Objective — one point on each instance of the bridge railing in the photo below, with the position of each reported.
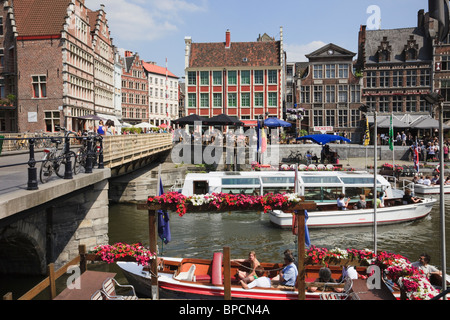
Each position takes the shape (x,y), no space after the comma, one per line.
(123,149)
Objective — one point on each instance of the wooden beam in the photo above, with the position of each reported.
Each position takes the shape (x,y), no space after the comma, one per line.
(300,216)
(227,273)
(153,231)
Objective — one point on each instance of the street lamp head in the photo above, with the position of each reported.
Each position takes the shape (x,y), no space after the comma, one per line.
(432,98)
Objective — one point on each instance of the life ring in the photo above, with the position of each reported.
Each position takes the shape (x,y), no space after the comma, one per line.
(437,168)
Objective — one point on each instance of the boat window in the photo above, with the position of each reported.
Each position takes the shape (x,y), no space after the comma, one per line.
(247,191)
(243,181)
(357,180)
(278,179)
(354,192)
(276,190)
(321,179)
(201,187)
(322,193)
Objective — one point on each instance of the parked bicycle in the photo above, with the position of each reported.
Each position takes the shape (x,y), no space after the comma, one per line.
(55,160)
(83,152)
(295,157)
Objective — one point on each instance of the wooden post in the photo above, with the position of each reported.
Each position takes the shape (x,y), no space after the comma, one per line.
(227,273)
(152,230)
(301,254)
(83,261)
(52,278)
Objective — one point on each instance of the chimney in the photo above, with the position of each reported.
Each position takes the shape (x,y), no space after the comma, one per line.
(420,18)
(128,53)
(227,40)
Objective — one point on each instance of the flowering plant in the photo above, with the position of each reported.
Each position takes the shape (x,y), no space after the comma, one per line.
(112,253)
(216,200)
(396,267)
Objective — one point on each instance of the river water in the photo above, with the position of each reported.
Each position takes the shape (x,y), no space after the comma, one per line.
(199,235)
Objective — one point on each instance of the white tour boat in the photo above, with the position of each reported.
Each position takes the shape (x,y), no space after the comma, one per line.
(430,189)
(323,187)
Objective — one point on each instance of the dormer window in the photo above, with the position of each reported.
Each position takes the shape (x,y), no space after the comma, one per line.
(411,48)
(384,51)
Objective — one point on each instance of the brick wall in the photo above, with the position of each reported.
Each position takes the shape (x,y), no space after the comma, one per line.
(38,57)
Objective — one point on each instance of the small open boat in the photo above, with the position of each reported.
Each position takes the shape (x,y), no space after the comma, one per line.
(328,215)
(430,189)
(203,279)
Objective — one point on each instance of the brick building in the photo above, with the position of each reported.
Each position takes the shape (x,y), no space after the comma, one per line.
(64,63)
(242,79)
(162,94)
(8,70)
(330,92)
(134,90)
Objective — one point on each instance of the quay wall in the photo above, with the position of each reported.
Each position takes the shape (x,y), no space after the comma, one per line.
(47,225)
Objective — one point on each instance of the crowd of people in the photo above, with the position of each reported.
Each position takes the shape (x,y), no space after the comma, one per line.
(429,181)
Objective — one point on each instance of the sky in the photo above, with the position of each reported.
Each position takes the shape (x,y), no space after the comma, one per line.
(156,29)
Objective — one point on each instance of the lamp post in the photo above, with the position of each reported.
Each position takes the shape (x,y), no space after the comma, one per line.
(436,99)
(367,109)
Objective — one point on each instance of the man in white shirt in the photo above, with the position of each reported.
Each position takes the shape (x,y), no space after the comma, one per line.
(258,281)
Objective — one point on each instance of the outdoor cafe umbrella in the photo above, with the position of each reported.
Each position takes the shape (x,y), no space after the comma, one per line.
(190,119)
(275,122)
(222,120)
(323,138)
(91,117)
(144,125)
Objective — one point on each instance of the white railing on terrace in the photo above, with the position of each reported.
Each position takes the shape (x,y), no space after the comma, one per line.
(119,150)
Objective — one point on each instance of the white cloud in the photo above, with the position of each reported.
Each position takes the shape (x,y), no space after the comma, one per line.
(297,52)
(138,20)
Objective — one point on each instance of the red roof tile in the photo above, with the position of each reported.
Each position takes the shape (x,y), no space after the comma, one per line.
(240,54)
(40,17)
(150,67)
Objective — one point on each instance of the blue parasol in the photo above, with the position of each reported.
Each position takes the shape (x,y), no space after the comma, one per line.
(275,122)
(323,138)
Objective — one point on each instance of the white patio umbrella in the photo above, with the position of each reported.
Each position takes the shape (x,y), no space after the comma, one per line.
(145,125)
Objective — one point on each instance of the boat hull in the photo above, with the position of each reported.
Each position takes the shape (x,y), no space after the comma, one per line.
(359,217)
(170,288)
(433,189)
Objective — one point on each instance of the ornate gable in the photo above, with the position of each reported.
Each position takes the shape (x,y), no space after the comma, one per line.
(384,51)
(410,51)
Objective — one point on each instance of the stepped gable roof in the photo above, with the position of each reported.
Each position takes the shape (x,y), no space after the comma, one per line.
(40,17)
(153,68)
(240,54)
(397,39)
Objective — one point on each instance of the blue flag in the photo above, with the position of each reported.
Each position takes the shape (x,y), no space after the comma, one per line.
(307,240)
(163,220)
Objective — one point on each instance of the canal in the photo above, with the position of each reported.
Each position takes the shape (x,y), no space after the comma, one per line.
(199,235)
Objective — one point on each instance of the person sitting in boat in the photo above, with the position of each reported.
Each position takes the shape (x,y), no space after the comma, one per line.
(447,181)
(260,281)
(435,179)
(250,274)
(288,276)
(427,181)
(424,265)
(420,181)
(361,204)
(408,198)
(324,276)
(380,199)
(341,203)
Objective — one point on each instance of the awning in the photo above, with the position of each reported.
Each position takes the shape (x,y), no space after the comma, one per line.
(250,123)
(427,122)
(111,117)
